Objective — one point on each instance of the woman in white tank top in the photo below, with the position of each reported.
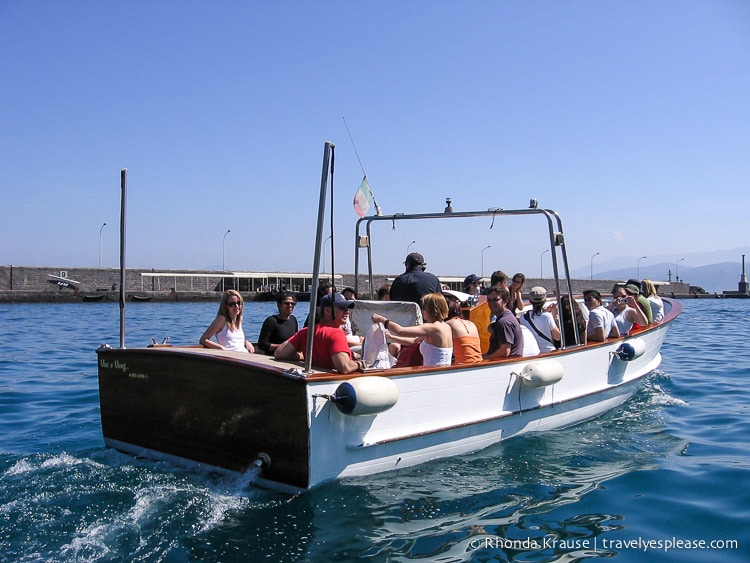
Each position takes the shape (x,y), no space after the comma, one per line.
(227,326)
(434,335)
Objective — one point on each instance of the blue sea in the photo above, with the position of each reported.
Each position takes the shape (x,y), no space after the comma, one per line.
(665,477)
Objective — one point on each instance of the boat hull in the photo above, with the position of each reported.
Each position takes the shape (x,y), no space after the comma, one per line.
(214,410)
(224,409)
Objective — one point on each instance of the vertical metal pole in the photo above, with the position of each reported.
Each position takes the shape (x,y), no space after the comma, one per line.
(316,259)
(123,207)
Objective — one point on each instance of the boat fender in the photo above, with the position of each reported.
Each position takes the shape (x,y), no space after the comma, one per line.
(541,374)
(365,395)
(631,349)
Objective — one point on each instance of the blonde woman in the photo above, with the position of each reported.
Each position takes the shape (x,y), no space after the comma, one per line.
(657,305)
(434,336)
(227,326)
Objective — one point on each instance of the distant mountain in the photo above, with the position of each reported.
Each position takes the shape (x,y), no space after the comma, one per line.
(714,278)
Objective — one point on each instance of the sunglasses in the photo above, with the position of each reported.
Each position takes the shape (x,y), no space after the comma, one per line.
(288,303)
(233,303)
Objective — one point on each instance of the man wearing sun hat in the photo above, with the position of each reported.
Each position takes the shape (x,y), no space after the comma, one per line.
(414,283)
(633,287)
(541,323)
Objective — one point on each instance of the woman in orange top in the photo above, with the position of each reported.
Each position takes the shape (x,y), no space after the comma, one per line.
(466,344)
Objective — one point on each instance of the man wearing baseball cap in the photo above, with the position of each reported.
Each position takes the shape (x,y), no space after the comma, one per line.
(330,347)
(414,282)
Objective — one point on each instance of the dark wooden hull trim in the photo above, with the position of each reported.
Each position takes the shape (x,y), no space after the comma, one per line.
(159,400)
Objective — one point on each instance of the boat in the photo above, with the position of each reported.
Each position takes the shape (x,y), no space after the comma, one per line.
(63,282)
(296,426)
(93,297)
(141,298)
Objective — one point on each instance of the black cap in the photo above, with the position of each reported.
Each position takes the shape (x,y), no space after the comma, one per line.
(471,279)
(415,259)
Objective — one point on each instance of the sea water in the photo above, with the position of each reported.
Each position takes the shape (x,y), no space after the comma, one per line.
(664,477)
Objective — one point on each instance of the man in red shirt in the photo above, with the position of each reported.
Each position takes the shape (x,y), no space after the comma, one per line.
(330,348)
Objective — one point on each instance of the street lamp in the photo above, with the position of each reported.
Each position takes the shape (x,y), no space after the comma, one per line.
(100,243)
(409,246)
(224,257)
(592,265)
(676,271)
(639,267)
(541,264)
(485,248)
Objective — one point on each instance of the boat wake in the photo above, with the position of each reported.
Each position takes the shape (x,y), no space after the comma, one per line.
(109,506)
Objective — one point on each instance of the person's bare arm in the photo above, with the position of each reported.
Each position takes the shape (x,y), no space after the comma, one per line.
(286,351)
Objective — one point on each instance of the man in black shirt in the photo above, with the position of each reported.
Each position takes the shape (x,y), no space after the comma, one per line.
(414,282)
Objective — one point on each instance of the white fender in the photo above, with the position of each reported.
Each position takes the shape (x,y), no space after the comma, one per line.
(365,395)
(541,373)
(631,349)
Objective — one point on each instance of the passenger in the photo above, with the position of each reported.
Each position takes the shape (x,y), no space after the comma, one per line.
(626,311)
(472,286)
(564,316)
(506,338)
(334,311)
(384,292)
(602,323)
(280,327)
(465,336)
(227,326)
(330,348)
(516,293)
(541,323)
(414,283)
(434,335)
(633,287)
(657,305)
(349,294)
(498,279)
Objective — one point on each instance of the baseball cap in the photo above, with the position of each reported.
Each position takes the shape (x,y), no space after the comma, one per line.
(336,299)
(415,259)
(471,279)
(632,288)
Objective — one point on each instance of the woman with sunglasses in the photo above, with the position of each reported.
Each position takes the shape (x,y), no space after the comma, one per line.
(227,326)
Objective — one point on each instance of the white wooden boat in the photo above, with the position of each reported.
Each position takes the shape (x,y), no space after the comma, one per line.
(302,426)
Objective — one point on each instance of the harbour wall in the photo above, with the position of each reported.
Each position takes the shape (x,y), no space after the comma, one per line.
(32,284)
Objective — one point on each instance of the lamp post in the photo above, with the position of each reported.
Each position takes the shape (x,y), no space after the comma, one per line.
(224,256)
(676,271)
(409,246)
(485,248)
(639,267)
(100,243)
(592,265)
(541,264)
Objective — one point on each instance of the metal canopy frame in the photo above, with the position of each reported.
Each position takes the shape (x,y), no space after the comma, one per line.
(363,242)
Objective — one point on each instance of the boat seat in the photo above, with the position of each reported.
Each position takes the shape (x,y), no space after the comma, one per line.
(404,313)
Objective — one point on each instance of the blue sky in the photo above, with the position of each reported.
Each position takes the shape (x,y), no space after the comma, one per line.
(631,119)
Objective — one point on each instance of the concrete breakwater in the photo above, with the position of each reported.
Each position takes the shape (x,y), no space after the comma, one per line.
(45,284)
